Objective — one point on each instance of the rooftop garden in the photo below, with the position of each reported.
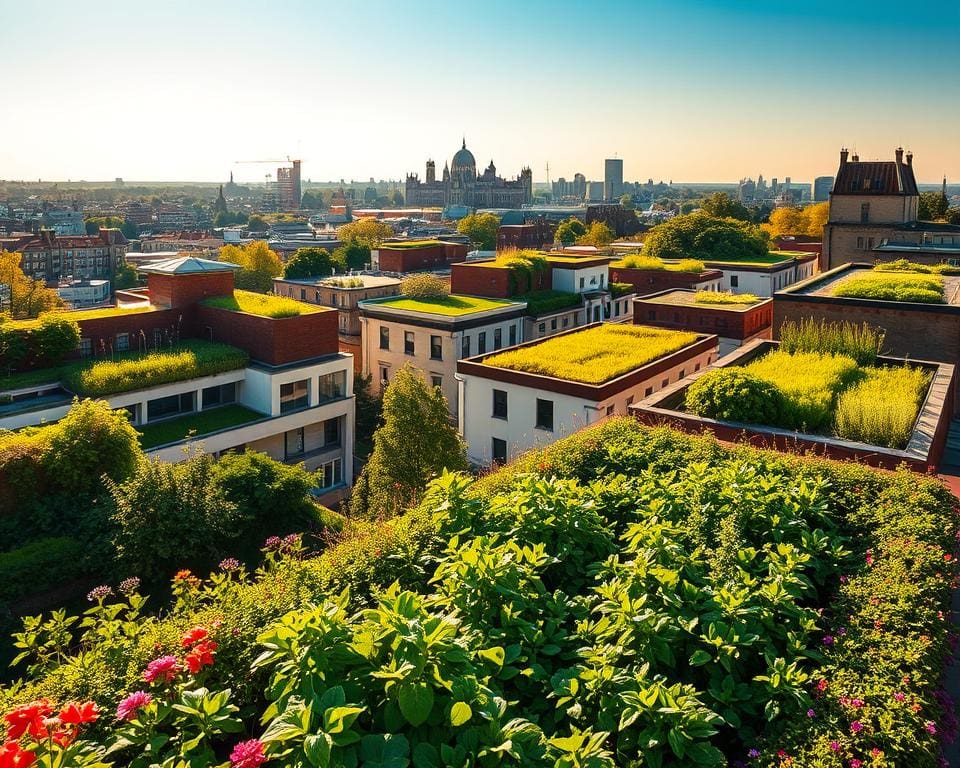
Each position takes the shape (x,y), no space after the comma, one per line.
(80,314)
(627,596)
(593,355)
(903,265)
(724,297)
(344,282)
(896,285)
(195,424)
(621,289)
(545,302)
(824,379)
(638,261)
(406,244)
(262,304)
(452,305)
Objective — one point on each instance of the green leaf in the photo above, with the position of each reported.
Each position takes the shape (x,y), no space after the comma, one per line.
(416,702)
(677,742)
(700,657)
(426,756)
(317,749)
(495,654)
(460,713)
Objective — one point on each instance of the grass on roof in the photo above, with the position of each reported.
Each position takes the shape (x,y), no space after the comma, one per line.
(594,355)
(639,261)
(262,304)
(83,314)
(452,305)
(198,423)
(774,257)
(892,286)
(724,297)
(414,244)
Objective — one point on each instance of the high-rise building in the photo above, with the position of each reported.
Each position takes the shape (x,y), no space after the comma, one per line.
(821,188)
(612,179)
(288,187)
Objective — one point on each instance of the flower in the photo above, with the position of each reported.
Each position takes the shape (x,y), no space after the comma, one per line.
(201,656)
(28,718)
(12,756)
(186,577)
(856,726)
(930,727)
(164,668)
(835,746)
(822,684)
(811,713)
(230,564)
(248,754)
(130,706)
(856,703)
(130,585)
(842,631)
(192,636)
(855,763)
(78,714)
(97,594)
(899,696)
(753,753)
(272,543)
(875,752)
(828,639)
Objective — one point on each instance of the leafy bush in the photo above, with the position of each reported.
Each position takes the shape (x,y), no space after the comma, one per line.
(892,286)
(639,261)
(265,305)
(882,409)
(38,566)
(621,289)
(524,268)
(903,265)
(424,287)
(724,297)
(734,394)
(189,360)
(45,341)
(544,302)
(707,238)
(861,342)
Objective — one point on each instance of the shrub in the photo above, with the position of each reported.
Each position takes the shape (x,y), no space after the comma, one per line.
(733,394)
(724,297)
(707,238)
(265,305)
(903,265)
(882,409)
(544,302)
(892,286)
(45,341)
(39,566)
(638,261)
(424,287)
(621,289)
(861,342)
(187,361)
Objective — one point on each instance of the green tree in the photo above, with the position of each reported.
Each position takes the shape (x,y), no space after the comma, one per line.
(932,206)
(130,229)
(126,277)
(953,215)
(599,235)
(259,265)
(308,262)
(311,201)
(481,228)
(707,238)
(369,408)
(257,223)
(415,444)
(229,219)
(352,255)
(366,231)
(626,201)
(398,199)
(570,230)
(721,205)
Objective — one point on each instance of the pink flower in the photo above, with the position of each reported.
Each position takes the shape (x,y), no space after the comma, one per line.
(130,706)
(931,727)
(822,684)
(856,726)
(856,703)
(164,668)
(835,746)
(828,639)
(248,754)
(899,696)
(855,763)
(811,713)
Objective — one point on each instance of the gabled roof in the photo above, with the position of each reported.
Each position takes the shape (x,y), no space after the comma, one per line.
(187,265)
(875,177)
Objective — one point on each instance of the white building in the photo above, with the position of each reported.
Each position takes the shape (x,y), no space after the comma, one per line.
(764,278)
(84,293)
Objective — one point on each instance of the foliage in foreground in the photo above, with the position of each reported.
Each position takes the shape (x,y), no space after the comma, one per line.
(641,598)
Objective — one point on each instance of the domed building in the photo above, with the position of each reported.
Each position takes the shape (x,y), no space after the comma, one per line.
(460,185)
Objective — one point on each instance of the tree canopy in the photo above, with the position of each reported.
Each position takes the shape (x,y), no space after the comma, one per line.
(707,238)
(21,296)
(128,227)
(366,231)
(721,205)
(932,206)
(353,255)
(259,265)
(599,234)
(481,228)
(570,230)
(790,220)
(309,262)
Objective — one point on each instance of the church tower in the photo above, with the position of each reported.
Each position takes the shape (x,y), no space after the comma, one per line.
(431,171)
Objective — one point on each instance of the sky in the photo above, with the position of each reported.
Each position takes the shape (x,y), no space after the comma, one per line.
(681,90)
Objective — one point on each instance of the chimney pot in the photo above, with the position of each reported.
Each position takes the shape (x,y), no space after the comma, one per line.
(843,156)
(899,154)
(910,158)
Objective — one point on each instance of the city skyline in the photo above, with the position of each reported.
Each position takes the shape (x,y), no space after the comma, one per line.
(689,91)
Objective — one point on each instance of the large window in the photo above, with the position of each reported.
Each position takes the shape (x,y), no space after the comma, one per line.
(497,338)
(86,347)
(122,342)
(436,348)
(513,335)
(172,405)
(219,395)
(409,347)
(481,342)
(293,443)
(499,404)
(545,414)
(499,451)
(332,386)
(331,432)
(465,346)
(294,396)
(384,337)
(332,473)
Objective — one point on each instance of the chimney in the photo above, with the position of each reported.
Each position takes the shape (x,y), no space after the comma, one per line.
(910,159)
(843,156)
(855,158)
(899,155)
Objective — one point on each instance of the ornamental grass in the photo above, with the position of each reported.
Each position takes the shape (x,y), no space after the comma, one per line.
(902,265)
(724,297)
(262,304)
(882,409)
(638,261)
(861,342)
(594,355)
(892,286)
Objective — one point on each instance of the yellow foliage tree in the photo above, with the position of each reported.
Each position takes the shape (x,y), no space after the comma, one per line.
(599,234)
(798,221)
(368,232)
(259,265)
(22,296)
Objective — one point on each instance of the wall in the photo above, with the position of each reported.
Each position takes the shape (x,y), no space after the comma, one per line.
(569,280)
(647,281)
(734,324)
(183,290)
(102,331)
(846,243)
(413,259)
(884,209)
(763,281)
(496,282)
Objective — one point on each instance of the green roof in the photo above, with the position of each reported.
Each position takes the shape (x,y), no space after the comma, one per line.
(452,305)
(262,304)
(197,424)
(414,244)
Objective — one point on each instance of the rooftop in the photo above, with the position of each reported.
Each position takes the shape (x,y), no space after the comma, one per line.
(187,265)
(262,304)
(875,177)
(773,257)
(727,302)
(827,285)
(453,305)
(84,314)
(593,355)
(369,281)
(404,244)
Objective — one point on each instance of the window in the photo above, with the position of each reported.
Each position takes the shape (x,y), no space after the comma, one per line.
(581,283)
(651,314)
(293,443)
(436,348)
(696,367)
(86,347)
(497,338)
(542,328)
(499,451)
(864,213)
(648,391)
(303,294)
(384,378)
(122,343)
(553,324)
(332,473)
(513,335)
(294,396)
(157,338)
(566,322)
(408,345)
(332,386)
(172,405)
(664,383)
(682,373)
(630,401)
(219,395)
(610,410)
(734,281)
(331,432)
(465,346)
(481,342)
(545,414)
(499,404)
(384,338)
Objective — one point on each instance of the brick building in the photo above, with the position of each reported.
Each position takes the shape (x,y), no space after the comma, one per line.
(416,255)
(47,257)
(650,281)
(534,235)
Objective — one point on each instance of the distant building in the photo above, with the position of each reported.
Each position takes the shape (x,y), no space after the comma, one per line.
(612,179)
(64,222)
(289,192)
(595,191)
(51,258)
(821,188)
(746,191)
(84,293)
(570,190)
(416,255)
(461,185)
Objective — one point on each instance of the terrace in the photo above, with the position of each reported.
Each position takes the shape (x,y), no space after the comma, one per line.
(196,424)
(262,305)
(449,306)
(878,283)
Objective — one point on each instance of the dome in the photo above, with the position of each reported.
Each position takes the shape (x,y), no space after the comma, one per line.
(464,162)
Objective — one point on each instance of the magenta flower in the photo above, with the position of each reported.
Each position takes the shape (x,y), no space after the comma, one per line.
(753,753)
(230,564)
(855,763)
(99,593)
(856,726)
(835,746)
(931,727)
(828,639)
(856,703)
(164,669)
(899,696)
(811,713)
(248,754)
(130,706)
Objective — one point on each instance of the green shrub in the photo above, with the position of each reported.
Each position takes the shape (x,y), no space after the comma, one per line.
(892,286)
(724,297)
(544,302)
(424,287)
(45,341)
(733,394)
(861,342)
(621,289)
(882,409)
(903,265)
(39,566)
(639,261)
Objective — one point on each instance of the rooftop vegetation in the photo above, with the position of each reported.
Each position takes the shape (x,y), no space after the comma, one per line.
(406,244)
(639,261)
(344,282)
(624,595)
(424,287)
(82,314)
(621,289)
(882,408)
(195,424)
(544,302)
(903,265)
(891,286)
(594,355)
(262,304)
(453,305)
(724,297)
(861,342)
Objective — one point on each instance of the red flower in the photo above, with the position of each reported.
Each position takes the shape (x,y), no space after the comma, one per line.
(201,656)
(11,756)
(78,714)
(165,669)
(194,635)
(28,718)
(63,737)
(248,754)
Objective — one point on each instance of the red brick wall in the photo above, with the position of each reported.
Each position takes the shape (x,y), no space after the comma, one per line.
(103,331)
(183,290)
(414,259)
(647,281)
(704,319)
(476,280)
(356,349)
(525,235)
(275,341)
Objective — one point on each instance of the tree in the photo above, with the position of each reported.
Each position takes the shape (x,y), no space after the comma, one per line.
(229,219)
(308,262)
(310,201)
(126,277)
(626,201)
(790,220)
(259,265)
(481,228)
(721,205)
(953,215)
(257,223)
(816,217)
(599,235)
(424,287)
(415,444)
(398,198)
(369,408)
(27,297)
(707,238)
(366,231)
(352,255)
(568,231)
(932,206)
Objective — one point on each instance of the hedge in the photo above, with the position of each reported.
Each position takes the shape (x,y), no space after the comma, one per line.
(545,302)
(41,565)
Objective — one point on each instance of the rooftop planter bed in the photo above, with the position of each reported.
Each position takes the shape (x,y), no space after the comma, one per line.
(451,305)
(262,304)
(195,424)
(903,265)
(594,355)
(407,244)
(886,285)
(545,302)
(725,297)
(654,263)
(621,289)
(83,314)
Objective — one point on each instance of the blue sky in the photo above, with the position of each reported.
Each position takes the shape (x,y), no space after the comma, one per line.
(693,91)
